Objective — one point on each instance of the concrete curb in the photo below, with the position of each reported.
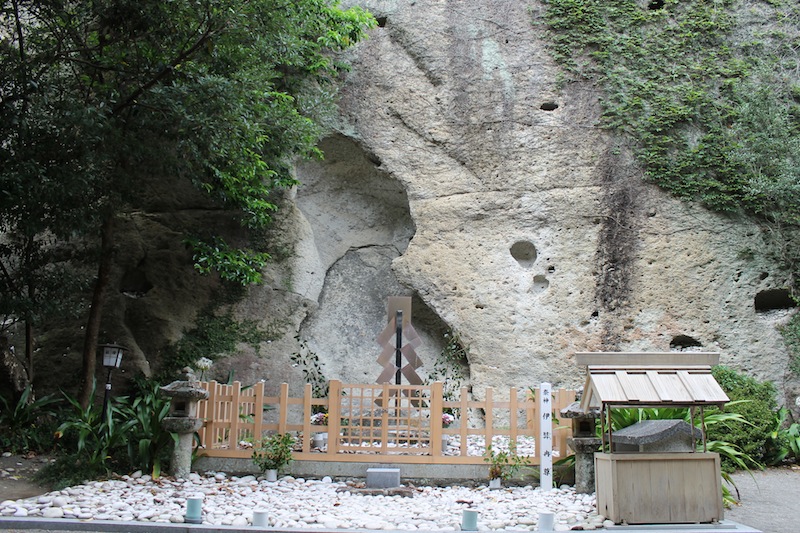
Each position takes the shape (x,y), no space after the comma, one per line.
(13,525)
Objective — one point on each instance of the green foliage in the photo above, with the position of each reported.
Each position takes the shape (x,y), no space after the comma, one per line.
(129,435)
(791,334)
(739,432)
(504,464)
(148,443)
(93,438)
(211,337)
(309,363)
(239,266)
(777,443)
(451,368)
(755,403)
(793,438)
(274,452)
(747,432)
(705,93)
(104,104)
(28,425)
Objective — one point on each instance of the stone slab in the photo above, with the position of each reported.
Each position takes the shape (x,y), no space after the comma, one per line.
(383,478)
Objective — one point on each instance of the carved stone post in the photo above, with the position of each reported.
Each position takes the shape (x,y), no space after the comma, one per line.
(182,419)
(584,442)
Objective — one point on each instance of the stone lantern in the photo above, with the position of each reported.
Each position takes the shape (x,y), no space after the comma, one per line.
(183,419)
(584,442)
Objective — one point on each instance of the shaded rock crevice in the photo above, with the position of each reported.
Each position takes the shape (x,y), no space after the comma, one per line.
(617,246)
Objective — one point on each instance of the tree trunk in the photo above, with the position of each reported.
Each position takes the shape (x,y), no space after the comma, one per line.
(29,350)
(96,315)
(30,282)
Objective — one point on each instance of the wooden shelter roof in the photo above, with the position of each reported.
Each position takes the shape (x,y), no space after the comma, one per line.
(655,379)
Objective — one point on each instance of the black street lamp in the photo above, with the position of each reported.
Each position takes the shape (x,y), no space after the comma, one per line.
(112,358)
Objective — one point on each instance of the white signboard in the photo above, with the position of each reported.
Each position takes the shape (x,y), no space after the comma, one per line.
(545,443)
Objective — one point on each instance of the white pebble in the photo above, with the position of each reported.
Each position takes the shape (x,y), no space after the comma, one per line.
(53,512)
(308,504)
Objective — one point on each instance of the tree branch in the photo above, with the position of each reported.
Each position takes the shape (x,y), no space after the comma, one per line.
(164,71)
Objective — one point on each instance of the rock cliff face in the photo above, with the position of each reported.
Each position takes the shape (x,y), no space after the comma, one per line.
(531,232)
(460,173)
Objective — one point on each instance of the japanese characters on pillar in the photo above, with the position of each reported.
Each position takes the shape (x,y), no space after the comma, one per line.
(545,444)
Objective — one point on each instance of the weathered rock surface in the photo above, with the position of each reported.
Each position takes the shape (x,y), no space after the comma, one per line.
(461,173)
(535,235)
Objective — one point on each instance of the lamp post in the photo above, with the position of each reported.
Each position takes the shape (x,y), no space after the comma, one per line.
(112,357)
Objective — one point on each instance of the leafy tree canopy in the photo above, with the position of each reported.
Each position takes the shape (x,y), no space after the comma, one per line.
(100,97)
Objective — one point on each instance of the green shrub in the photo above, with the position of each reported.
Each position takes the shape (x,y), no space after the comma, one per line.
(791,334)
(755,402)
(149,445)
(28,426)
(91,439)
(275,452)
(129,436)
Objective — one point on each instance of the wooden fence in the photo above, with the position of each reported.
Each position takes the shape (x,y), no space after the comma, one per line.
(378,423)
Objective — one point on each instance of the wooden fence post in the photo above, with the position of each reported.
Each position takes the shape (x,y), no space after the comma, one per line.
(203,409)
(334,415)
(562,432)
(437,393)
(307,418)
(464,416)
(283,411)
(258,412)
(233,435)
(489,419)
(512,417)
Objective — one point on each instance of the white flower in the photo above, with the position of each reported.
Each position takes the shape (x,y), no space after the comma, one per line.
(319,419)
(204,363)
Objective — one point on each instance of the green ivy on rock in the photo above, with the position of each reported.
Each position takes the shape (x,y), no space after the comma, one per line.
(707,93)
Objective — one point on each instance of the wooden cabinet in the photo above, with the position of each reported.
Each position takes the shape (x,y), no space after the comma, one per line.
(659,488)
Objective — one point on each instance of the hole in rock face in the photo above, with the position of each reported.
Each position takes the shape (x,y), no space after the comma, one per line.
(381,21)
(551,269)
(655,4)
(548,106)
(772,299)
(682,342)
(134,283)
(524,252)
(540,283)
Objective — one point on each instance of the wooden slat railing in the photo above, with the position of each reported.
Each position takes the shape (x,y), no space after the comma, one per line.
(375,423)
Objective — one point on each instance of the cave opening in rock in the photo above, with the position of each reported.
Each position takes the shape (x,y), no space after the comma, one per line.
(135,284)
(683,342)
(772,299)
(655,4)
(549,106)
(524,252)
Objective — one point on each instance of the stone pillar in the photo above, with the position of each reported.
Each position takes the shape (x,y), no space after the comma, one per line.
(584,448)
(584,443)
(182,419)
